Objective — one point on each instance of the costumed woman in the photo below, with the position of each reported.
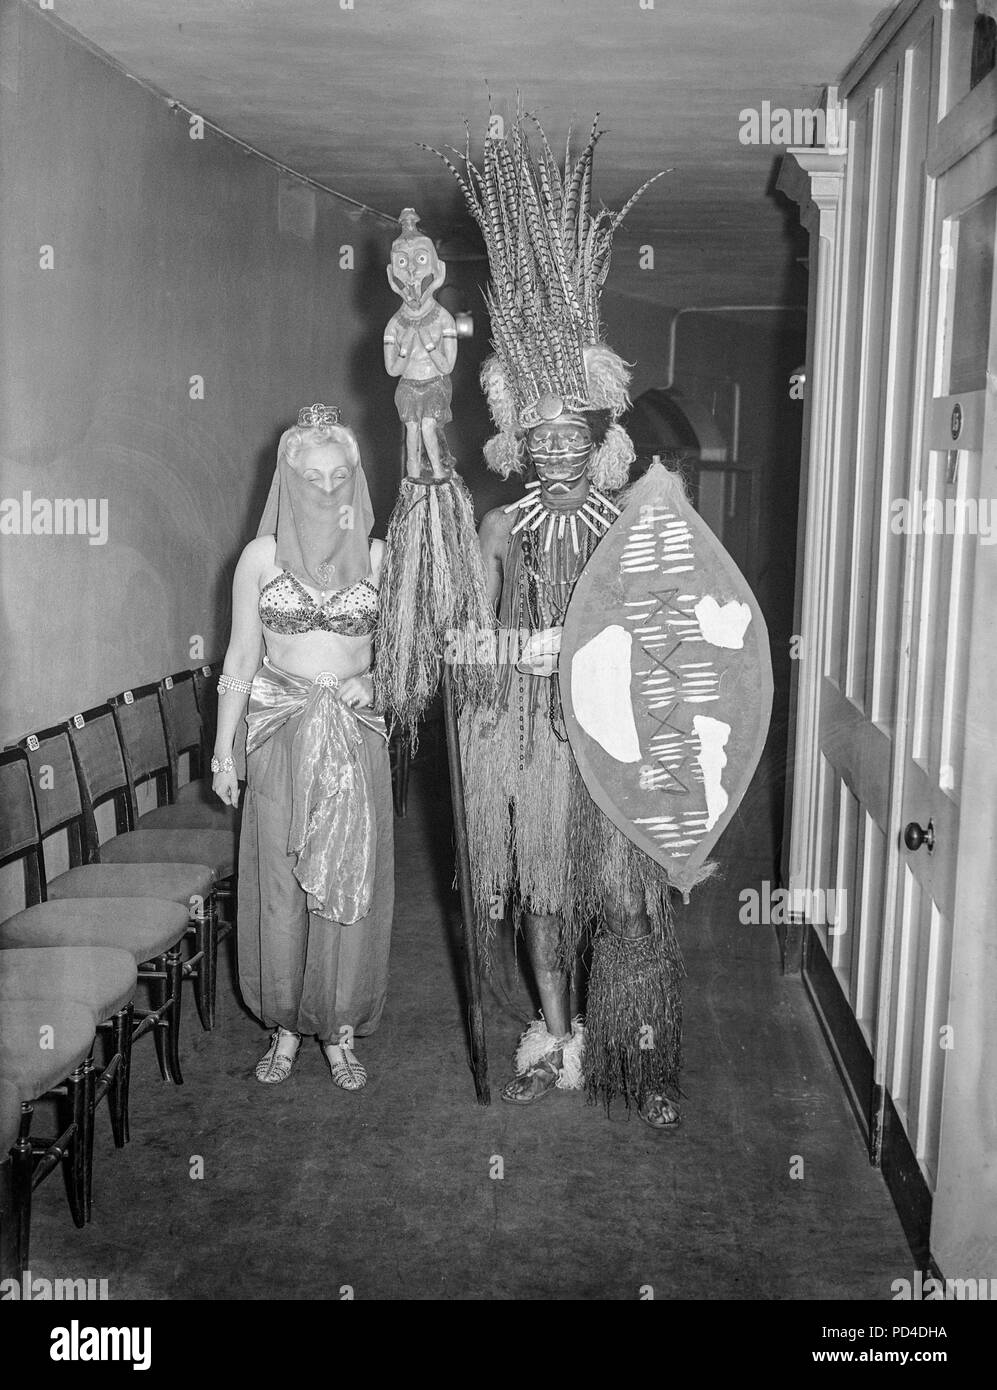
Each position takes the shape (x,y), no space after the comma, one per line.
(316,860)
(542,852)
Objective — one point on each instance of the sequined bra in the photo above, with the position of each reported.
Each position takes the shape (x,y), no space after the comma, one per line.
(287,607)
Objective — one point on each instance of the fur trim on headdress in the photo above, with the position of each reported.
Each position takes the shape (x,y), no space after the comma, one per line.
(608,377)
(501,402)
(609,466)
(504,452)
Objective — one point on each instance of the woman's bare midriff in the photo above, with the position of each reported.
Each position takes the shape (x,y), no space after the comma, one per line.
(308,653)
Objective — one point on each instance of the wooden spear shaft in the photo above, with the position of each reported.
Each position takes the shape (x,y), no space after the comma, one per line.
(479,1056)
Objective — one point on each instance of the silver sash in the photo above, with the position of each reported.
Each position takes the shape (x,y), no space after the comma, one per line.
(332,828)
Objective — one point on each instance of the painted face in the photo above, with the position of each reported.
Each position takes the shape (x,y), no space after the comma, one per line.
(560,450)
(415,270)
(326,466)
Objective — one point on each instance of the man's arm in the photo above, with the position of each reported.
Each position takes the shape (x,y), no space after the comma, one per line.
(539,654)
(493,537)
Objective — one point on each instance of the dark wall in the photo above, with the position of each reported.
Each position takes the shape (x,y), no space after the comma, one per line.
(638,330)
(172,257)
(759,352)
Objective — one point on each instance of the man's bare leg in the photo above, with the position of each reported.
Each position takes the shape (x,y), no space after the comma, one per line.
(542,933)
(575,988)
(542,936)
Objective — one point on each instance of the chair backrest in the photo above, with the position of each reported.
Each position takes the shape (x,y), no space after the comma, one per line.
(19,837)
(100,764)
(139,722)
(182,719)
(58,799)
(206,686)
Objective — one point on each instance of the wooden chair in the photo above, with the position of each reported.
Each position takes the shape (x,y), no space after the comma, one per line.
(206,689)
(103,980)
(185,737)
(104,779)
(28,1073)
(157,725)
(61,809)
(15,1205)
(144,733)
(150,929)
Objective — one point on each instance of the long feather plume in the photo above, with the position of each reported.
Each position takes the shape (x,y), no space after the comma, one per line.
(548,254)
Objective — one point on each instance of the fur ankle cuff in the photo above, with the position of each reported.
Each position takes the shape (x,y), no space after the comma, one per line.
(538,1042)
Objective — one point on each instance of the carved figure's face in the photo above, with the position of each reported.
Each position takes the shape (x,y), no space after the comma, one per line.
(561,449)
(415,270)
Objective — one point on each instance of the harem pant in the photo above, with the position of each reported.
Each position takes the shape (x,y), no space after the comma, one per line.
(297,969)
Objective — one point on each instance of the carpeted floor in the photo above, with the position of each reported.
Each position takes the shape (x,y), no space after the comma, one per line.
(394,1193)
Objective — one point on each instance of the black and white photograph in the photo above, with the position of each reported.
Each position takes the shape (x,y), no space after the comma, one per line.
(498,719)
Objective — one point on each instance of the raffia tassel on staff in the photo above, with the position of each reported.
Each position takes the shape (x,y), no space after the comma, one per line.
(432,586)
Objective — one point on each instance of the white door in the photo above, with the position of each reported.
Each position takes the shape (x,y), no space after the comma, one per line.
(925,1026)
(844,844)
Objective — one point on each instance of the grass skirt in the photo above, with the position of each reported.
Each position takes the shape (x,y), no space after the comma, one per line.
(633,1019)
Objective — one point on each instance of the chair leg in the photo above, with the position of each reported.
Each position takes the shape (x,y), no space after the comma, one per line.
(173,963)
(75,1155)
(22,1163)
(206,944)
(117,1097)
(165,990)
(211,984)
(89,1126)
(158,994)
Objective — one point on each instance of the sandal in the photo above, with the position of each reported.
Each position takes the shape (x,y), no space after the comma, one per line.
(275,1067)
(347,1072)
(544,1073)
(659,1112)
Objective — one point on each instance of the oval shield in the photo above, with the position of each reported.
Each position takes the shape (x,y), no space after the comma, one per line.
(665,677)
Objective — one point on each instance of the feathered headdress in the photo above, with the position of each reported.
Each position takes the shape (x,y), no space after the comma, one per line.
(549,258)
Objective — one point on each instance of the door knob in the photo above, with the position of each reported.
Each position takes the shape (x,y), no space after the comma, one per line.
(917,835)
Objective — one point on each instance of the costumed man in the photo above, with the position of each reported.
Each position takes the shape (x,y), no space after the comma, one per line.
(541,850)
(420,347)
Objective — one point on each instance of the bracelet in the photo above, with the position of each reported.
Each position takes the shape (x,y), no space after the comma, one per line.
(233,683)
(226,765)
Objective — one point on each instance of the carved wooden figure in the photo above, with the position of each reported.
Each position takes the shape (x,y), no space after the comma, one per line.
(420,347)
